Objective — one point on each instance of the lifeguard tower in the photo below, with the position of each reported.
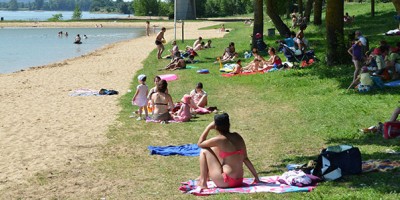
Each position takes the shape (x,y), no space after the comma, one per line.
(185,9)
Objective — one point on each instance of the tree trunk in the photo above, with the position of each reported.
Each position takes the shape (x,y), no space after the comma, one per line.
(258,21)
(307,12)
(396,4)
(318,12)
(300,7)
(279,24)
(336,50)
(372,8)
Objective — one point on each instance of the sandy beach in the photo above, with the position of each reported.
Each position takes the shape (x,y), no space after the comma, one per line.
(46,132)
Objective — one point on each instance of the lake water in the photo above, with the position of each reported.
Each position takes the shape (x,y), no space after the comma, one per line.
(21,48)
(44,15)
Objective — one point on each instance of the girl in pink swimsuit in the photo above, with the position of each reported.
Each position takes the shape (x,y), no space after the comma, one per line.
(222,156)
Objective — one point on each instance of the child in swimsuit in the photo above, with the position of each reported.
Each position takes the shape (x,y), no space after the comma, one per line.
(140,97)
(183,114)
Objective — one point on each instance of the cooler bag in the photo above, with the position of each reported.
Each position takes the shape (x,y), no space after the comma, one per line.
(344,161)
(391,130)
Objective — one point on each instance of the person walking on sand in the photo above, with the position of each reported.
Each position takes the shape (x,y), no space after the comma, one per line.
(140,97)
(147,28)
(159,42)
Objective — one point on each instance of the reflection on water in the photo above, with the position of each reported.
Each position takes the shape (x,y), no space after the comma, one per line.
(26,47)
(78,48)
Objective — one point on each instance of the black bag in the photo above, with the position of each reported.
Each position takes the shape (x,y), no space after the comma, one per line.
(107,92)
(347,161)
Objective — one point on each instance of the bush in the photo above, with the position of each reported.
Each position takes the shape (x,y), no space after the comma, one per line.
(56,17)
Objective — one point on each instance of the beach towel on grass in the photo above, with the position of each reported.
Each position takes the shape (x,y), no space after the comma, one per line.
(242,74)
(182,150)
(271,185)
(158,121)
(379,165)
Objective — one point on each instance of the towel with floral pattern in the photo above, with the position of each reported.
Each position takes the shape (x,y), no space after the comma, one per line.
(271,184)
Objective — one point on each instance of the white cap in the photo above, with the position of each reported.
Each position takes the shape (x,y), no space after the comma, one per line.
(141,77)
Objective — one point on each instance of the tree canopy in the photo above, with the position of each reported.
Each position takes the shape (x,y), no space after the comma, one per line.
(118,6)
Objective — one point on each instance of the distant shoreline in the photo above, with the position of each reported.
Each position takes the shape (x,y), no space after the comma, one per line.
(80,24)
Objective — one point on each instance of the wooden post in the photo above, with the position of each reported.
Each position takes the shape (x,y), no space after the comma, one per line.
(183,37)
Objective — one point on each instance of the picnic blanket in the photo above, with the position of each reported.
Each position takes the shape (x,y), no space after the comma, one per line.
(379,165)
(182,150)
(271,185)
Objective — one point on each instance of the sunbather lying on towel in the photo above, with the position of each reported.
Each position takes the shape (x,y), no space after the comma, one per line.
(177,63)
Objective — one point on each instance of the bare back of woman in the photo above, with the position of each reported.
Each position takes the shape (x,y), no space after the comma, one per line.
(222,156)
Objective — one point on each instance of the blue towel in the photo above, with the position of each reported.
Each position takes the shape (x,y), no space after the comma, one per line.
(183,150)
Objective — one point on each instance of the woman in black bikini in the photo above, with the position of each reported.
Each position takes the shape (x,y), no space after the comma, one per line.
(161,102)
(222,156)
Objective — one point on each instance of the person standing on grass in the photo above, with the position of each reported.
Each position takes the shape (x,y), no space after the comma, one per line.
(222,156)
(159,42)
(357,57)
(140,97)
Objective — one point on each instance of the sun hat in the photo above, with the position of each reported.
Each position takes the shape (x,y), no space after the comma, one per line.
(186,99)
(141,77)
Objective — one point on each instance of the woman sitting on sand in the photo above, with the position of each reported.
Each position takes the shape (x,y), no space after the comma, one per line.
(222,156)
(161,102)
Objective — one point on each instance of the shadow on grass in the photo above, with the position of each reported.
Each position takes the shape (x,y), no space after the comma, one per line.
(368,139)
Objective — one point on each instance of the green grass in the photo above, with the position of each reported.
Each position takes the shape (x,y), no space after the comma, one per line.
(285,117)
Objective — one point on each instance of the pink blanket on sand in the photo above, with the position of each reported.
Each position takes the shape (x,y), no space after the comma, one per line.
(271,185)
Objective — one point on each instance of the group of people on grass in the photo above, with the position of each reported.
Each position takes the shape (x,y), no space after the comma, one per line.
(373,66)
(159,102)
(176,55)
(296,42)
(222,156)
